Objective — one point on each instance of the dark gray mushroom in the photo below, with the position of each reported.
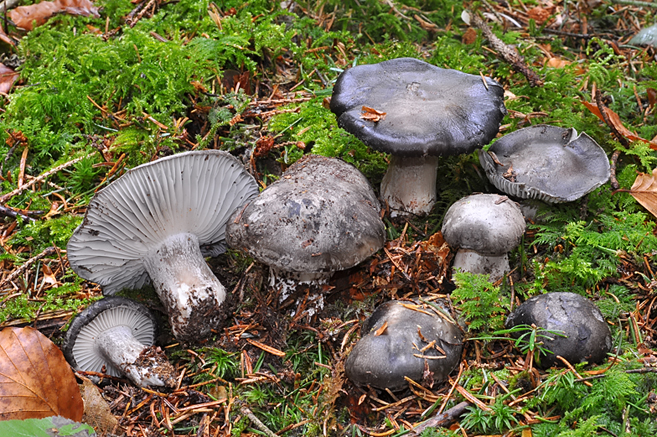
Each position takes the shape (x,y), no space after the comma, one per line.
(403,339)
(547,163)
(484,228)
(585,335)
(429,112)
(115,336)
(321,216)
(156,223)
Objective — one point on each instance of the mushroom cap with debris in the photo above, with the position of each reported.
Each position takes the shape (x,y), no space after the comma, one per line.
(585,335)
(428,110)
(488,224)
(320,216)
(547,163)
(402,339)
(191,192)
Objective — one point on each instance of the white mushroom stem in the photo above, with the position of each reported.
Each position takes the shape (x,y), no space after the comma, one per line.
(409,185)
(185,284)
(470,261)
(141,364)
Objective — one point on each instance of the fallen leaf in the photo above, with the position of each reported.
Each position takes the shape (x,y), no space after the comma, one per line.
(557,62)
(24,16)
(371,114)
(644,190)
(35,379)
(615,120)
(7,78)
(539,14)
(96,409)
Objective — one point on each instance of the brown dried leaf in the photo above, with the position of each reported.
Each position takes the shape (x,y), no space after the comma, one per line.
(371,114)
(469,37)
(644,190)
(7,78)
(35,379)
(97,411)
(539,14)
(24,16)
(617,123)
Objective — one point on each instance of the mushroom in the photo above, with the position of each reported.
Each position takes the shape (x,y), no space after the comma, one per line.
(581,332)
(416,112)
(156,223)
(484,228)
(115,336)
(321,216)
(403,339)
(547,163)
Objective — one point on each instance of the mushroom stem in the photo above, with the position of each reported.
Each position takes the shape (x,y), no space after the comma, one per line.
(191,294)
(142,364)
(470,261)
(409,185)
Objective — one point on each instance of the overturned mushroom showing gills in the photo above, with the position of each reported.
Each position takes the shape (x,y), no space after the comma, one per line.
(547,163)
(484,228)
(429,112)
(585,335)
(402,339)
(321,216)
(156,223)
(115,336)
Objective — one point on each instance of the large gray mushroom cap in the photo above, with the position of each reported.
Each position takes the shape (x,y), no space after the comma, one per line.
(156,222)
(586,334)
(429,110)
(320,216)
(413,339)
(483,227)
(547,163)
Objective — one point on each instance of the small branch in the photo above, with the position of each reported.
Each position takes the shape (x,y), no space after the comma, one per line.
(444,419)
(507,53)
(19,271)
(635,3)
(40,178)
(8,4)
(8,212)
(258,424)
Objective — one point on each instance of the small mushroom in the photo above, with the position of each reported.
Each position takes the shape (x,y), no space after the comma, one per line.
(115,336)
(321,216)
(585,335)
(547,163)
(484,228)
(402,339)
(156,223)
(421,112)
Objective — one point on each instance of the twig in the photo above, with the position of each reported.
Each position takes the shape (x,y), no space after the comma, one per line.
(444,419)
(614,157)
(506,52)
(635,3)
(40,178)
(261,426)
(8,4)
(8,212)
(16,273)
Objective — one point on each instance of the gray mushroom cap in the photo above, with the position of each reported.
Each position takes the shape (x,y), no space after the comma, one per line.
(547,163)
(320,216)
(587,336)
(488,224)
(192,192)
(383,359)
(429,110)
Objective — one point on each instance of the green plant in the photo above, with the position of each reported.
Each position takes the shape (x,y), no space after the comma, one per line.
(482,304)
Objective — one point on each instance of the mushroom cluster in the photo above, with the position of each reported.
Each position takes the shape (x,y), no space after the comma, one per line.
(155,224)
(321,216)
(420,112)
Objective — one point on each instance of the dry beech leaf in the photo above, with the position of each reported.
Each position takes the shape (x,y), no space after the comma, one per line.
(35,379)
(371,114)
(23,16)
(618,124)
(644,190)
(7,78)
(97,411)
